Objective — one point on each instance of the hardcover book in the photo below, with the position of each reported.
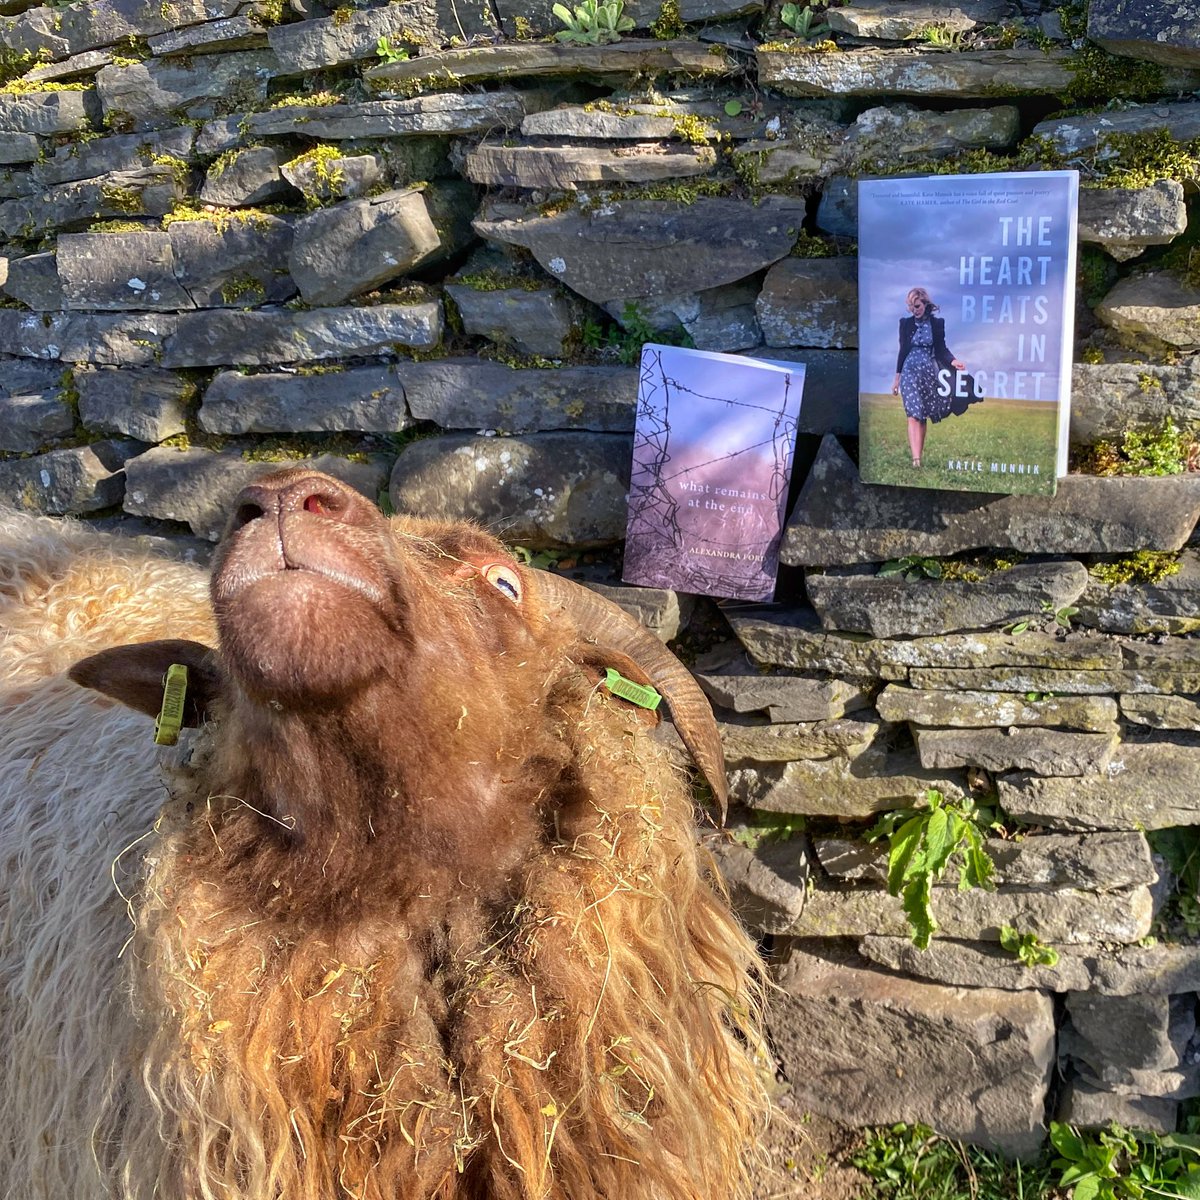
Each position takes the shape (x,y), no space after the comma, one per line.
(712,457)
(966,300)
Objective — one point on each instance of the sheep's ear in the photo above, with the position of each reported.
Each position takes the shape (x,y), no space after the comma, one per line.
(134,674)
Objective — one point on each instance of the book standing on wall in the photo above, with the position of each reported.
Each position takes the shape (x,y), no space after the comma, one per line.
(966,288)
(712,457)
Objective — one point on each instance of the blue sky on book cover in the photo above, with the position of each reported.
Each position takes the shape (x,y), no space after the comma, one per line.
(996,254)
(712,458)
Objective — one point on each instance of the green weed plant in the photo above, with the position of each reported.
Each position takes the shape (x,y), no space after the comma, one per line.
(1028,947)
(593,23)
(923,841)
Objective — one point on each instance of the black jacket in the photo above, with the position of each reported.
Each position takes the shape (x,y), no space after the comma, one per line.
(908,327)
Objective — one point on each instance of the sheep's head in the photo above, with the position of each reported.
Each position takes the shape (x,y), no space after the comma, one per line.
(360,651)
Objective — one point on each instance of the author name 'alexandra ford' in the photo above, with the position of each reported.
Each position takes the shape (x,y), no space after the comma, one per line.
(965,330)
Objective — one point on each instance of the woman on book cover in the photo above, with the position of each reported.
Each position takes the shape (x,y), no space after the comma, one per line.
(923,353)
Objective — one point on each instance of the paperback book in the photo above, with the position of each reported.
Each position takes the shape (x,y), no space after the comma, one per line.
(712,457)
(966,287)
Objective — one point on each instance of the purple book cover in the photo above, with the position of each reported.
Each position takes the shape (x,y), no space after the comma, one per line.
(712,455)
(966,291)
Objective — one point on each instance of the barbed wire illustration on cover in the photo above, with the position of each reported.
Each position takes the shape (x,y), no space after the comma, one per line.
(729,552)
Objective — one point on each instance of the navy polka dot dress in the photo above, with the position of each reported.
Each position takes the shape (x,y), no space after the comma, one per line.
(918,378)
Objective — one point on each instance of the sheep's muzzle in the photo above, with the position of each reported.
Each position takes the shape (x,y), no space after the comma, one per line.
(304,587)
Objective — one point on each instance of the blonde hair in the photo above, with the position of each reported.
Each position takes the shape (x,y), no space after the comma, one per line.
(920,293)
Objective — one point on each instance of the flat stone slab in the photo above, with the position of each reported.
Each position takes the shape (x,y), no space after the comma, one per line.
(868,1048)
(794,638)
(1127,220)
(31,422)
(359,399)
(18,148)
(774,743)
(810,302)
(565,167)
(967,74)
(721,318)
(762,895)
(354,35)
(150,192)
(232,33)
(355,246)
(85,26)
(899,133)
(855,601)
(43,113)
(1109,398)
(782,697)
(1046,751)
(477,394)
(637,121)
(1157,30)
(1062,916)
(79,479)
(1148,785)
(337,177)
(198,486)
(1160,305)
(838,519)
(839,786)
(889,21)
(541,489)
(1132,1033)
(252,177)
(1124,971)
(111,339)
(981,710)
(650,247)
(1092,1108)
(193,264)
(146,403)
(117,152)
(1170,606)
(120,271)
(1096,862)
(1162,712)
(275,335)
(1086,132)
(453,68)
(440,114)
(533,321)
(141,94)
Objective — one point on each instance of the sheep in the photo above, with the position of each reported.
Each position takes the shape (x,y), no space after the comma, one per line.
(414,910)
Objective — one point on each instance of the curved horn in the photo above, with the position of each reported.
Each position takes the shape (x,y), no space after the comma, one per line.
(607,624)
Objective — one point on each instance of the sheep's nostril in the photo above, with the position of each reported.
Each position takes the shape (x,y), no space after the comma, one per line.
(246,513)
(317,504)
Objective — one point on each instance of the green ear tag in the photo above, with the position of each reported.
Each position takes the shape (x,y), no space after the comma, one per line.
(170,716)
(635,693)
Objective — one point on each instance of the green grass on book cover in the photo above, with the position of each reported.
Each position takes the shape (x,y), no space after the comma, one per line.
(998,445)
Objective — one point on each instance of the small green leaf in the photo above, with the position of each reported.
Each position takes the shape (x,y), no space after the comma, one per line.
(905,843)
(916,898)
(733,108)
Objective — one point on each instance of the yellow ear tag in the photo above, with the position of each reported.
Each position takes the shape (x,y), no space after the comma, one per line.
(170,716)
(635,693)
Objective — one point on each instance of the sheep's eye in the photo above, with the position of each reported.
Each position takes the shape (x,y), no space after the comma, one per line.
(504,579)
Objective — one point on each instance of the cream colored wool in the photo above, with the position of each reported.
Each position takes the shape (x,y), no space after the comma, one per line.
(611,1014)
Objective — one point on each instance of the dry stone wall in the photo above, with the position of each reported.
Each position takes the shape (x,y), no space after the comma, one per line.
(418,244)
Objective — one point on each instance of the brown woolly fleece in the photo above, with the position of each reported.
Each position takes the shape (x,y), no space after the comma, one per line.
(421,914)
